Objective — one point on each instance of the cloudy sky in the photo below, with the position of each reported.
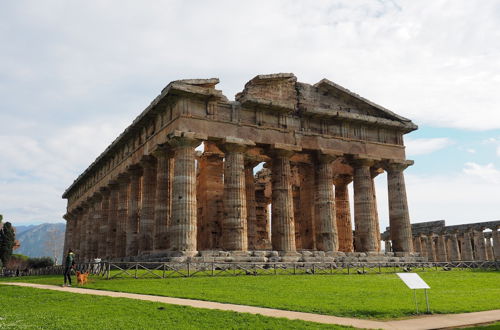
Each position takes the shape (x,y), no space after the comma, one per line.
(74,74)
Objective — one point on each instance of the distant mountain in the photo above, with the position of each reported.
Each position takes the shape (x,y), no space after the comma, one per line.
(45,240)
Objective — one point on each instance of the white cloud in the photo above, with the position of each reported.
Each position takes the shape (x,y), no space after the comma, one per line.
(424,146)
(487,173)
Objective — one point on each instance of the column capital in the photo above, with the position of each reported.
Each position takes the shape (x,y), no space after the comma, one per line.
(361,161)
(104,191)
(134,170)
(342,179)
(123,178)
(162,150)
(179,139)
(147,161)
(391,165)
(327,155)
(233,144)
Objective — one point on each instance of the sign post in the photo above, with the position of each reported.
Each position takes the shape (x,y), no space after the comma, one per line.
(414,282)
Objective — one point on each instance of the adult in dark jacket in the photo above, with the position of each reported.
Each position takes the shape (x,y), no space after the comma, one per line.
(69,264)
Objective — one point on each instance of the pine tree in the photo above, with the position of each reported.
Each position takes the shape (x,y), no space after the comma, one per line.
(7,241)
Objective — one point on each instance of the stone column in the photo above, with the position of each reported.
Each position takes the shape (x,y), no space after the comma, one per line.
(479,245)
(467,254)
(68,235)
(364,207)
(343,212)
(122,216)
(163,201)
(431,248)
(83,233)
(183,223)
(374,172)
(103,228)
(326,225)
(251,204)
(442,256)
(399,217)
(489,249)
(282,222)
(133,211)
(77,233)
(454,249)
(147,220)
(423,241)
(495,235)
(234,225)
(387,246)
(262,201)
(96,223)
(112,220)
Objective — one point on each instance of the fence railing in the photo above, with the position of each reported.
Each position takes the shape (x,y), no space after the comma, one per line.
(137,270)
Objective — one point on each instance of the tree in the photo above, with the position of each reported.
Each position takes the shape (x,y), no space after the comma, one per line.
(7,242)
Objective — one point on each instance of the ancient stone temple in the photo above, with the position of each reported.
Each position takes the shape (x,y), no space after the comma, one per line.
(181,181)
(434,240)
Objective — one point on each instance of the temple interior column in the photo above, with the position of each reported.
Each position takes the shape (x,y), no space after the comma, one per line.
(364,207)
(262,201)
(113,215)
(431,248)
(210,191)
(147,219)
(283,224)
(343,212)
(442,255)
(122,215)
(133,211)
(251,211)
(479,245)
(489,249)
(326,225)
(234,225)
(306,210)
(454,248)
(183,226)
(387,246)
(103,227)
(374,172)
(424,241)
(417,245)
(399,217)
(163,200)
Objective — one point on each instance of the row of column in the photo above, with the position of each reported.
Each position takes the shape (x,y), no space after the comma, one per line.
(153,207)
(454,246)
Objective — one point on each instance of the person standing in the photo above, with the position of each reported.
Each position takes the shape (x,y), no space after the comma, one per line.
(69,264)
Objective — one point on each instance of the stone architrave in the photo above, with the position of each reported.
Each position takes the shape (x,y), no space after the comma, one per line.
(183,224)
(442,255)
(122,215)
(147,218)
(364,207)
(282,222)
(113,217)
(163,200)
(103,227)
(234,225)
(326,225)
(133,211)
(343,212)
(467,253)
(454,248)
(399,218)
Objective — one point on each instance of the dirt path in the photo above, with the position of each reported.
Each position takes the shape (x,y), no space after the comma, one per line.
(424,322)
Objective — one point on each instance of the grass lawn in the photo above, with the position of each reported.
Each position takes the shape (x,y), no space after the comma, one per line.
(27,308)
(372,296)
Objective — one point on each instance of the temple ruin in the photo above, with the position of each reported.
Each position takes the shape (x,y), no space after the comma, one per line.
(434,240)
(155,194)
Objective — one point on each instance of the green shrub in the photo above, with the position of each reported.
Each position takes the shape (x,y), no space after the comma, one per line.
(40,262)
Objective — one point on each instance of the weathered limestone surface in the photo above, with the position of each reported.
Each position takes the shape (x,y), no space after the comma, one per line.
(164,199)
(454,248)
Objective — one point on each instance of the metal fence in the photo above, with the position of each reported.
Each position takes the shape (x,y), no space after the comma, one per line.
(137,270)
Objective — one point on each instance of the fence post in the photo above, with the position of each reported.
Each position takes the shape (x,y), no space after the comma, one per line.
(108,268)
(136,267)
(188,268)
(163,275)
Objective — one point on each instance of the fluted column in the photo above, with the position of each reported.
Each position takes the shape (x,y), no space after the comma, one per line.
(234,225)
(417,245)
(399,217)
(387,246)
(83,233)
(454,249)
(146,222)
(489,249)
(364,207)
(495,235)
(374,172)
(424,242)
(282,223)
(104,225)
(343,212)
(113,216)
(431,248)
(479,245)
(96,223)
(133,211)
(78,213)
(122,215)
(183,224)
(326,227)
(306,210)
(163,201)
(68,235)
(251,205)
(442,255)
(467,254)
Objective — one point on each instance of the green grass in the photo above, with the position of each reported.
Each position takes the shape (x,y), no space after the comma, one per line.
(27,308)
(372,296)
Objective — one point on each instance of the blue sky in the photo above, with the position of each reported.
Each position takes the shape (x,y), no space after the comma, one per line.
(74,74)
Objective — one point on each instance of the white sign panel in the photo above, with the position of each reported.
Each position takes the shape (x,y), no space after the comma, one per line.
(413,281)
